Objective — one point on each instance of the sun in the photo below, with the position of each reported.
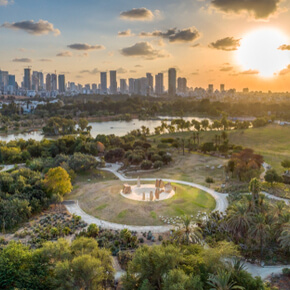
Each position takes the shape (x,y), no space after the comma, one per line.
(259,51)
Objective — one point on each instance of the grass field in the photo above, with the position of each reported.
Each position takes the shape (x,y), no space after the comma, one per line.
(272,141)
(103,200)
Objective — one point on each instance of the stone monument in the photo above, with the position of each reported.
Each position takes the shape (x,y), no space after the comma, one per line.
(138,182)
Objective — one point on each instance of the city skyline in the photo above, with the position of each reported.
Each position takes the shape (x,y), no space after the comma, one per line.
(201,39)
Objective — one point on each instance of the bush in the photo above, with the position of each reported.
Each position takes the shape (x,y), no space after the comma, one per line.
(286,271)
(167,140)
(146,164)
(158,164)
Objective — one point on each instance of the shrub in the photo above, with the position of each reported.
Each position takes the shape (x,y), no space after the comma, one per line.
(146,164)
(158,164)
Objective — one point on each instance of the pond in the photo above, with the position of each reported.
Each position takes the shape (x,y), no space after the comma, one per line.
(119,128)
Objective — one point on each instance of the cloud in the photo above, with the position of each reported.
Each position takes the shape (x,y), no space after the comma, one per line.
(195,45)
(85,46)
(45,60)
(140,14)
(138,65)
(174,35)
(92,72)
(22,59)
(284,47)
(121,70)
(285,71)
(41,27)
(259,9)
(6,2)
(246,72)
(226,68)
(227,44)
(143,49)
(65,54)
(126,33)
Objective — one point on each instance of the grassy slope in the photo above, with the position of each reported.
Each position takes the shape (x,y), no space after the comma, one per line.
(272,141)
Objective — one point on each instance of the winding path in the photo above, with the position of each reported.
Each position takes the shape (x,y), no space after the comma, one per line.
(74,208)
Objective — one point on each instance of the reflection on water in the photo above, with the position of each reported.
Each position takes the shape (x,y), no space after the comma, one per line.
(119,128)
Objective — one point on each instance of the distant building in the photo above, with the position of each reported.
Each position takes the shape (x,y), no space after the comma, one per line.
(245,90)
(104,87)
(4,81)
(35,80)
(94,88)
(182,85)
(40,80)
(131,86)
(61,83)
(137,87)
(159,84)
(172,82)
(144,86)
(48,83)
(113,82)
(27,79)
(222,88)
(149,83)
(53,82)
(123,86)
(210,88)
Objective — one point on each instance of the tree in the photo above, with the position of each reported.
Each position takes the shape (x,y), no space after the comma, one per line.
(272,176)
(260,231)
(222,281)
(188,232)
(205,124)
(284,238)
(83,124)
(209,180)
(286,163)
(255,188)
(57,180)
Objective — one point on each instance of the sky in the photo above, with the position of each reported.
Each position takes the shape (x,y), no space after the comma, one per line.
(207,41)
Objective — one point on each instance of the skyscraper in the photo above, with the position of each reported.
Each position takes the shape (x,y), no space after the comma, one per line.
(53,82)
(61,83)
(182,85)
(159,84)
(27,78)
(103,82)
(123,86)
(149,83)
(172,82)
(131,86)
(35,80)
(41,81)
(113,82)
(4,80)
(222,87)
(48,82)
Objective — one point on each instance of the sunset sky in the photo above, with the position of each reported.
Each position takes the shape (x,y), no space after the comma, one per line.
(210,41)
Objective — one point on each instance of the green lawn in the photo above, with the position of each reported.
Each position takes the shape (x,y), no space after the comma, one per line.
(272,141)
(103,200)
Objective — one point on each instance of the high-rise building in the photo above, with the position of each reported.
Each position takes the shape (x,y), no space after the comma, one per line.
(113,82)
(210,88)
(35,81)
(4,80)
(94,88)
(182,85)
(61,83)
(143,86)
(172,82)
(159,84)
(150,83)
(53,82)
(11,84)
(103,82)
(131,86)
(245,90)
(123,86)
(222,88)
(137,86)
(41,81)
(27,79)
(48,83)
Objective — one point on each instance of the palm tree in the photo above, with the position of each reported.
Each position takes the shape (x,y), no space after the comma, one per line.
(255,188)
(260,230)
(239,220)
(222,281)
(188,232)
(284,239)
